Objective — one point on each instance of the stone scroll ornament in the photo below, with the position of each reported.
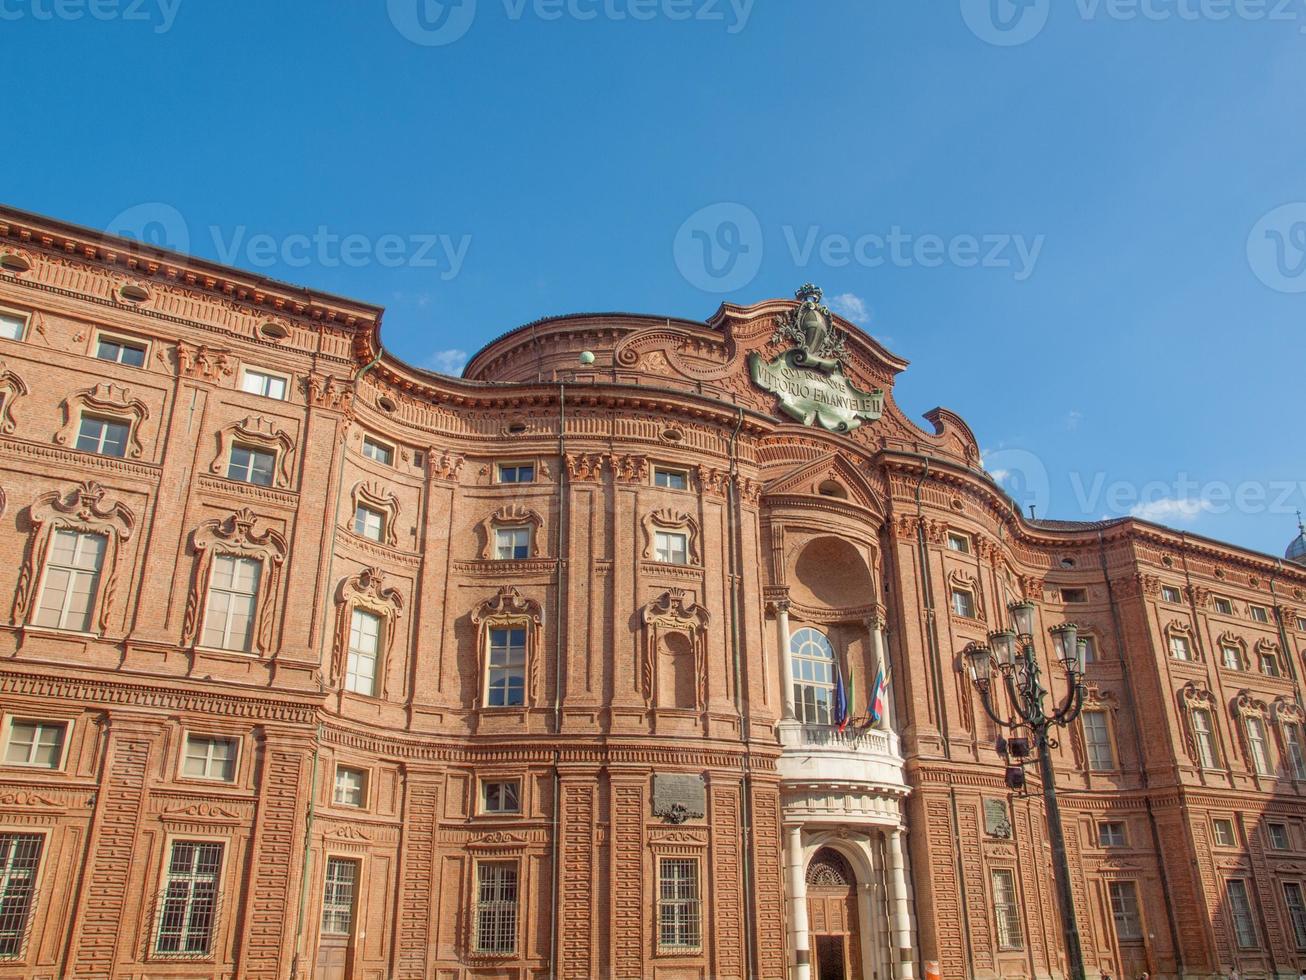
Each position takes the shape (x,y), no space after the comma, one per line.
(809,378)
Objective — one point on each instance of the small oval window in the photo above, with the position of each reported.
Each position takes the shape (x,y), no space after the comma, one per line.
(672,435)
(134,293)
(516,428)
(386,404)
(274,331)
(14,262)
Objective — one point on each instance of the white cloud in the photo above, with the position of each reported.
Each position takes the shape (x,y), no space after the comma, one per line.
(1171,509)
(852,307)
(450,361)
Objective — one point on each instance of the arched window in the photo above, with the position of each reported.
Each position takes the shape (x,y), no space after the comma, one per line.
(813,664)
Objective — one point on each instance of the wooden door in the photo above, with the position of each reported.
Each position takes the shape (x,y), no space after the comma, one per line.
(833,917)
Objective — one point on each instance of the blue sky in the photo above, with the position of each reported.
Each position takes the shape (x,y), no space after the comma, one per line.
(1081,220)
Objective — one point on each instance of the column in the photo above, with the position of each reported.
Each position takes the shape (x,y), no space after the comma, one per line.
(802,942)
(782,641)
(882,662)
(899,914)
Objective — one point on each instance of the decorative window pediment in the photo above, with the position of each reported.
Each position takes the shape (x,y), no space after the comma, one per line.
(674,627)
(12,387)
(670,520)
(86,509)
(964,582)
(367,591)
(237,535)
(1246,705)
(507,609)
(1287,711)
(1233,643)
(261,433)
(105,399)
(511,515)
(373,495)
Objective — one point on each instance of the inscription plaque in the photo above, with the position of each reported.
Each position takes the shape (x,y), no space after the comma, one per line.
(679,798)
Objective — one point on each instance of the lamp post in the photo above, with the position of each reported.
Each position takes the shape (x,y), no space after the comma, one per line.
(1011,652)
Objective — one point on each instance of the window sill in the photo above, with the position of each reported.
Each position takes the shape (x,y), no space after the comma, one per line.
(678,951)
(56,631)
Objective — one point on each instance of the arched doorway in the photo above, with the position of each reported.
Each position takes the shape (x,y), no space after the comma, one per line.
(833,917)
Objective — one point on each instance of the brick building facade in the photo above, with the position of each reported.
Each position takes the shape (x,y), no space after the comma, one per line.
(319,665)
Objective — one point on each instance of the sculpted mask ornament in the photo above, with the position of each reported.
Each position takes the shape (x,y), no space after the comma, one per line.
(809,378)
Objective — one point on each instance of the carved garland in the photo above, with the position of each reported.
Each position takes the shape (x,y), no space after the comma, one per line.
(238,536)
(669,520)
(510,608)
(674,611)
(261,433)
(368,591)
(203,363)
(328,391)
(1193,696)
(511,515)
(85,509)
(373,496)
(12,387)
(108,400)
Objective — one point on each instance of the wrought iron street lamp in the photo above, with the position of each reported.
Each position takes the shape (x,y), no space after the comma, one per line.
(1010,653)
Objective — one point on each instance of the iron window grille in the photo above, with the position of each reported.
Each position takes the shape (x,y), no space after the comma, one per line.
(1007,910)
(188,907)
(20,856)
(496,908)
(679,908)
(338,896)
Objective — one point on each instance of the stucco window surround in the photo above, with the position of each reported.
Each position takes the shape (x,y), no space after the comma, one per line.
(1178,630)
(1194,697)
(1268,650)
(676,522)
(374,497)
(959,581)
(257,432)
(12,388)
(1233,642)
(368,592)
(104,401)
(1253,720)
(676,615)
(511,515)
(1290,728)
(85,509)
(238,536)
(42,724)
(1107,705)
(509,609)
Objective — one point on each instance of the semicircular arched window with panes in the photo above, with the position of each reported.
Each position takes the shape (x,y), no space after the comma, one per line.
(812,657)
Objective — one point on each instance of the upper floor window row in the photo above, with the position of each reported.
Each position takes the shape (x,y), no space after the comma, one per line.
(120,351)
(265,384)
(105,436)
(250,465)
(13,326)
(378,451)
(516,472)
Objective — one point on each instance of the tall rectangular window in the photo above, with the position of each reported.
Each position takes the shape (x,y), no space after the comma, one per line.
(338,896)
(36,743)
(1204,738)
(1292,895)
(1256,744)
(496,908)
(251,466)
(671,548)
(1097,741)
(364,642)
(369,523)
(1231,657)
(12,326)
(108,437)
(1259,613)
(261,383)
(1240,907)
(1090,648)
(1296,751)
(378,451)
(1223,606)
(120,351)
(813,664)
(189,905)
(679,924)
(1269,665)
(1006,909)
(512,543)
(72,575)
(963,603)
(20,856)
(1124,910)
(233,590)
(506,682)
(1179,648)
(210,757)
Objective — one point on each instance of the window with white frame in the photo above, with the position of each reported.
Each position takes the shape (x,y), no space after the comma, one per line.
(1223,606)
(1269,664)
(369,522)
(12,326)
(378,451)
(1124,910)
(1231,656)
(959,543)
(1296,902)
(512,543)
(38,744)
(338,892)
(670,479)
(1170,594)
(1111,833)
(262,383)
(210,757)
(1222,832)
(1204,738)
(1097,741)
(20,858)
(250,465)
(496,908)
(351,787)
(1257,746)
(812,659)
(963,603)
(233,591)
(671,547)
(120,351)
(107,437)
(516,472)
(364,645)
(505,682)
(72,577)
(1301,624)
(189,904)
(1292,740)
(1089,643)
(1278,835)
(1180,649)
(500,796)
(1259,613)
(1240,907)
(679,907)
(1006,909)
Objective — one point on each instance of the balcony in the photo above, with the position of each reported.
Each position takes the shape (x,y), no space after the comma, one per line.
(840,777)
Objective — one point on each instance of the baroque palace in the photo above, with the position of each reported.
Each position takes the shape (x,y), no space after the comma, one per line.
(317,665)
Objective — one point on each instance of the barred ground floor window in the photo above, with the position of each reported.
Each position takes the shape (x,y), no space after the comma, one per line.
(188,908)
(496,907)
(20,855)
(679,922)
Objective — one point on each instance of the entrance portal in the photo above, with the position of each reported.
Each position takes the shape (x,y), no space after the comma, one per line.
(833,917)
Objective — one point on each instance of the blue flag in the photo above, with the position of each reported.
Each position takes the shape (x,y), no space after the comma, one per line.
(840,700)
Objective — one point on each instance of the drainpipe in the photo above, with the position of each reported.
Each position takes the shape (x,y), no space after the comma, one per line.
(563,514)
